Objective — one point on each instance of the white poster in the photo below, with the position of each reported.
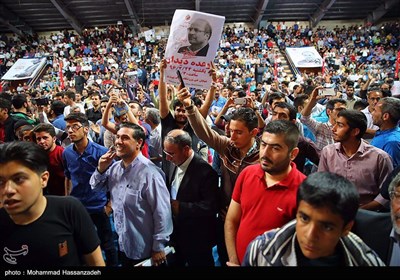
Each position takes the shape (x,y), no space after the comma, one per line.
(192,46)
(149,35)
(307,57)
(24,68)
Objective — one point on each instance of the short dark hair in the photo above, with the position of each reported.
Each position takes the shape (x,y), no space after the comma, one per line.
(331,103)
(182,140)
(57,107)
(69,94)
(360,104)
(275,95)
(247,116)
(355,119)
(46,127)
(325,189)
(78,116)
(19,100)
(176,103)
(5,104)
(138,132)
(299,100)
(291,109)
(286,128)
(391,105)
(29,154)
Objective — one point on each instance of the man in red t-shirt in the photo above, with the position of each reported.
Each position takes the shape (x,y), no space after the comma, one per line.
(264,196)
(45,137)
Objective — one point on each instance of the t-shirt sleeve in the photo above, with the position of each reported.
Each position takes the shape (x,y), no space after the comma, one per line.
(237,191)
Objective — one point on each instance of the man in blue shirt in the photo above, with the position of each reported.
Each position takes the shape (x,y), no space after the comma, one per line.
(139,198)
(386,116)
(80,161)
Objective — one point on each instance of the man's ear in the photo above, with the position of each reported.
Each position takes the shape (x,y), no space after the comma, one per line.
(254,132)
(355,131)
(294,153)
(347,228)
(44,178)
(386,116)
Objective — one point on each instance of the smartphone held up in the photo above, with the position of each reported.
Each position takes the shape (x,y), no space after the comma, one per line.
(180,78)
(327,92)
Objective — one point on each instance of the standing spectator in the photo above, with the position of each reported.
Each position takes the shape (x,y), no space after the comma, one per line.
(322,131)
(193,185)
(236,152)
(80,161)
(364,165)
(373,97)
(267,188)
(45,137)
(386,116)
(38,230)
(152,117)
(320,235)
(139,198)
(6,122)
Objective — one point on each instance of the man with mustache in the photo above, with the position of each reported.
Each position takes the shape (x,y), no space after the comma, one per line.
(264,196)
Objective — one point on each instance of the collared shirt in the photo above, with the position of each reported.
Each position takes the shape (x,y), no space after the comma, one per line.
(79,168)
(368,168)
(322,131)
(389,141)
(263,207)
(370,122)
(395,258)
(155,145)
(141,206)
(179,174)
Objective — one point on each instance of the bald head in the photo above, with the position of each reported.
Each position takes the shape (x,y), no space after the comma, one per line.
(179,137)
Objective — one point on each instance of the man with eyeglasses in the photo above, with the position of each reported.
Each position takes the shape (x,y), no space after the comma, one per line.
(80,161)
(373,97)
(199,33)
(193,186)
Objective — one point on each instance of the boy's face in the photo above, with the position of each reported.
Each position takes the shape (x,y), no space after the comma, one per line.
(20,189)
(319,230)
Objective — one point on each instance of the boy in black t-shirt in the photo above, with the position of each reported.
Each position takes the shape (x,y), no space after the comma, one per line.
(36,230)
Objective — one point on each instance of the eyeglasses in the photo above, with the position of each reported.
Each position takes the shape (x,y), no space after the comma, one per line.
(74,127)
(168,154)
(395,196)
(374,98)
(196,30)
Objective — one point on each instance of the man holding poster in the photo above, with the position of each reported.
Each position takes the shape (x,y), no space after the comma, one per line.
(192,46)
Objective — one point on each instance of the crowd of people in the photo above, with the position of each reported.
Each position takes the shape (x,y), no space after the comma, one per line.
(259,169)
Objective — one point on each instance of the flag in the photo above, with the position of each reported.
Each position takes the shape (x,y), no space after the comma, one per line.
(60,74)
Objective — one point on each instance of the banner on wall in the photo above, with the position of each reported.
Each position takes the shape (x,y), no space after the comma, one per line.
(307,57)
(24,68)
(192,46)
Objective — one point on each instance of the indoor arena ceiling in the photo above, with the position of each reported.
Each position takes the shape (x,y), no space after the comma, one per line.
(48,15)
